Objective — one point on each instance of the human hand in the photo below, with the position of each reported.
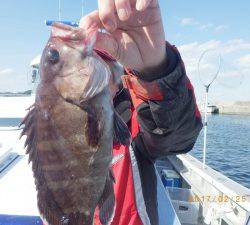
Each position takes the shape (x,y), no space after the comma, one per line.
(135,35)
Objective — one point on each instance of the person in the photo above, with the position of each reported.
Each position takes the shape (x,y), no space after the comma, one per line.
(156,101)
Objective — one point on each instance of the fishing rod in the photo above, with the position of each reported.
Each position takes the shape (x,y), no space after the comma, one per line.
(207,85)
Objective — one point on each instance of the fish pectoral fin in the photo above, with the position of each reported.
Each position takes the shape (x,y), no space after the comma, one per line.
(98,79)
(107,202)
(121,132)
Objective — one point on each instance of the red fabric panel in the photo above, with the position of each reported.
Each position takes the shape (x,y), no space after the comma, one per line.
(142,89)
(134,125)
(136,101)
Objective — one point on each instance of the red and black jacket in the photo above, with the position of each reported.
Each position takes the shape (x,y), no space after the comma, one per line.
(163,117)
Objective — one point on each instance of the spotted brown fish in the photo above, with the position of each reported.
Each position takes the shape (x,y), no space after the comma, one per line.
(70,130)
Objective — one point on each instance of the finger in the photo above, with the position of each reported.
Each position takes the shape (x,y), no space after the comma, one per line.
(123,9)
(141,5)
(91,20)
(107,14)
(108,43)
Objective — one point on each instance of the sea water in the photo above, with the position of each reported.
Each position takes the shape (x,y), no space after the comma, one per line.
(228,146)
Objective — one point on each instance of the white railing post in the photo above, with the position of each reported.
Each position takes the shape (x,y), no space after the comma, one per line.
(205,128)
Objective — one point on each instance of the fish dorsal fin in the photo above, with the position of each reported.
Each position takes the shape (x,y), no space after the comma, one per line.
(98,79)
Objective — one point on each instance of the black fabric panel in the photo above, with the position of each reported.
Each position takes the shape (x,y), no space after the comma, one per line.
(169,138)
(149,184)
(122,104)
(169,126)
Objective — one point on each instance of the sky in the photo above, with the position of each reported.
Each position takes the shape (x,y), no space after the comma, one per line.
(221,29)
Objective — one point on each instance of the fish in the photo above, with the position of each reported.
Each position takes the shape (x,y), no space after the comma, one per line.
(71,128)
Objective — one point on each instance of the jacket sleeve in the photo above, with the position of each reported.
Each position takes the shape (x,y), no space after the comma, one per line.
(167,113)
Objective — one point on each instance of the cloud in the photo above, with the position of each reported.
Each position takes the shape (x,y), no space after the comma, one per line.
(244,61)
(205,26)
(6,71)
(189,22)
(231,74)
(221,28)
(235,45)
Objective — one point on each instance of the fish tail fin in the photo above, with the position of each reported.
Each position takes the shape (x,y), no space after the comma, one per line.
(121,132)
(107,202)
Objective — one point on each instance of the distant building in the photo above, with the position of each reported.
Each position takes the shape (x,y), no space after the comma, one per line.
(212,109)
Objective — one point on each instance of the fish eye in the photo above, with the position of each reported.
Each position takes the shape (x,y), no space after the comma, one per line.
(53,55)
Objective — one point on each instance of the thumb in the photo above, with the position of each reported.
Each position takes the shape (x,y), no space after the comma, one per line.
(106,42)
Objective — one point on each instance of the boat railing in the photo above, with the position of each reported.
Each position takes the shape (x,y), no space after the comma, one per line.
(216,192)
